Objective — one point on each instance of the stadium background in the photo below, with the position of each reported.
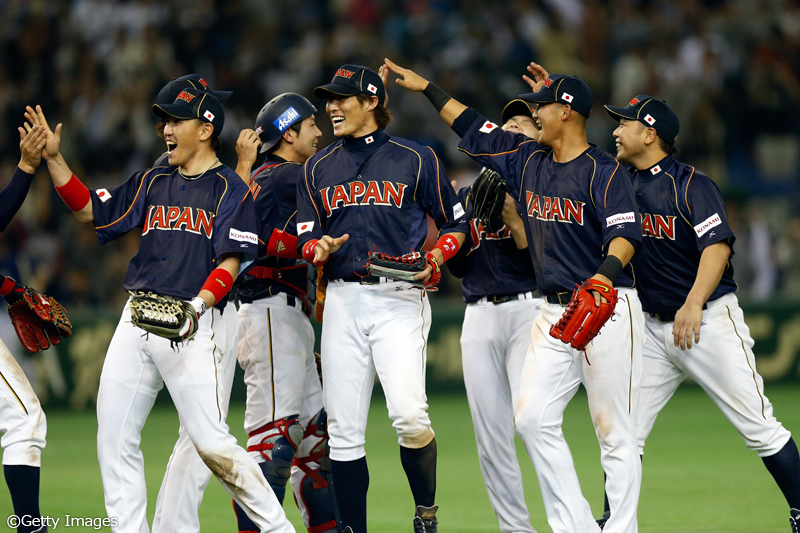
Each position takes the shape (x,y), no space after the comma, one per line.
(731,69)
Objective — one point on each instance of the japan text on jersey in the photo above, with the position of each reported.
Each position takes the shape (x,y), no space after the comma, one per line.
(378,190)
(682,214)
(186,226)
(574,209)
(490,263)
(274,190)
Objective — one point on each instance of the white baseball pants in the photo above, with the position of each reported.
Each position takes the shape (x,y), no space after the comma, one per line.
(494,341)
(22,421)
(187,476)
(366,329)
(136,367)
(723,364)
(552,373)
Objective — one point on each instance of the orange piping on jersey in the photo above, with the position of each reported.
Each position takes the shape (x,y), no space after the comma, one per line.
(605,194)
(132,203)
(153,181)
(313,175)
(501,153)
(591,181)
(311,196)
(419,170)
(678,207)
(438,185)
(522,176)
(223,193)
(686,194)
(290,219)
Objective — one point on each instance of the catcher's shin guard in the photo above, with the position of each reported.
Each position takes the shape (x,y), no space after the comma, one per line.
(277,443)
(311,480)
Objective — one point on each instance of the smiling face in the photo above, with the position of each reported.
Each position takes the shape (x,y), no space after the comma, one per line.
(305,142)
(350,117)
(550,121)
(522,124)
(630,136)
(184,139)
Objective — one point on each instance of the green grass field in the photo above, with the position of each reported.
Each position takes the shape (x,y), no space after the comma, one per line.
(698,475)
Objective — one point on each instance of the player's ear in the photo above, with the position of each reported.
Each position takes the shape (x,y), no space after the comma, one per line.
(289,135)
(650,136)
(373,103)
(206,129)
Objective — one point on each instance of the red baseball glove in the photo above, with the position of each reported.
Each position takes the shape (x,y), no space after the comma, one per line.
(582,319)
(38,319)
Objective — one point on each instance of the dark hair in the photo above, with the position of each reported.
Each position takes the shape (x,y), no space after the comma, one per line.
(296,126)
(666,147)
(383,117)
(160,128)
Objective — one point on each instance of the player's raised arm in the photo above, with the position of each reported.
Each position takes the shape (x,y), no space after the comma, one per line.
(32,142)
(247,146)
(69,187)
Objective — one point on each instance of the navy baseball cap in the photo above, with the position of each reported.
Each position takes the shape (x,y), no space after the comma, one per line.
(651,112)
(350,80)
(562,89)
(515,108)
(171,90)
(193,103)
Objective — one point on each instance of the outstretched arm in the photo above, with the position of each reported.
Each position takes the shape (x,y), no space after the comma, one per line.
(13,195)
(69,187)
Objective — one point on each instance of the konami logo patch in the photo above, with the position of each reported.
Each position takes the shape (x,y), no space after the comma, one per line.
(620,218)
(243,236)
(711,222)
(458,210)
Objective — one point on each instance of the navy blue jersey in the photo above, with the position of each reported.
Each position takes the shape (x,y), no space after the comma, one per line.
(186,226)
(574,209)
(682,214)
(378,190)
(12,196)
(490,263)
(274,189)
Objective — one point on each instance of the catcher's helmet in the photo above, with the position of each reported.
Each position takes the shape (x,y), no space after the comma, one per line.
(278,114)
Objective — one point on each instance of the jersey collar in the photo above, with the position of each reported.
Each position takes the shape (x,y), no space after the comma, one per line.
(364,146)
(274,158)
(657,170)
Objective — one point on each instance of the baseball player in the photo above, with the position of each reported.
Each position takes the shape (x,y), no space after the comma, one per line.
(198,227)
(582,224)
(22,422)
(686,282)
(276,341)
(186,475)
(370,191)
(499,286)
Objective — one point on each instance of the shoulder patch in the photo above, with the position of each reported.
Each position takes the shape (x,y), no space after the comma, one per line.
(458,210)
(620,218)
(103,194)
(303,227)
(711,222)
(488,127)
(243,236)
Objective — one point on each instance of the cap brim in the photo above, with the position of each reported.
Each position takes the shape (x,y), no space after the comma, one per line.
(516,108)
(538,98)
(221,95)
(171,111)
(324,91)
(618,113)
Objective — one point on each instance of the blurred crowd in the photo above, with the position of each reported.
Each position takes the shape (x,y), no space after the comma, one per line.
(731,69)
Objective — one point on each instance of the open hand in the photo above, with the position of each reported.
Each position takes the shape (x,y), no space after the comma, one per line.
(36,118)
(328,245)
(539,75)
(31,145)
(408,78)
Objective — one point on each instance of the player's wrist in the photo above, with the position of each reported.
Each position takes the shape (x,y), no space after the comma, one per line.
(437,96)
(309,252)
(200,305)
(447,246)
(26,167)
(74,193)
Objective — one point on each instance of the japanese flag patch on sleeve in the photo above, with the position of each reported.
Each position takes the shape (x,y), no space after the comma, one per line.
(488,127)
(103,194)
(303,227)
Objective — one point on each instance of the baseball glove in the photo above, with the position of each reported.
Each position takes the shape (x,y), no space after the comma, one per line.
(404,267)
(38,319)
(582,319)
(164,316)
(488,194)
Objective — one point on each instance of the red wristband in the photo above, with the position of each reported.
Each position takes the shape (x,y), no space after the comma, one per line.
(74,193)
(448,245)
(308,252)
(218,283)
(7,286)
(282,244)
